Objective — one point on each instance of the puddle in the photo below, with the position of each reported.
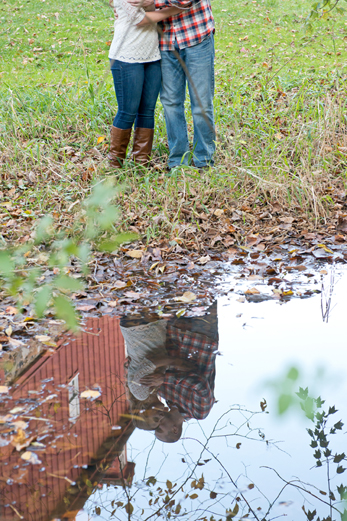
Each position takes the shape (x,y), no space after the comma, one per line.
(70,442)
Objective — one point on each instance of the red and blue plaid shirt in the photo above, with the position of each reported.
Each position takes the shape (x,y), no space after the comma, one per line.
(192,392)
(188,28)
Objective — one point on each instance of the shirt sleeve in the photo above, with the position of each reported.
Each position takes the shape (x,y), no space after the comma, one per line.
(135,15)
(159,4)
(191,392)
(141,392)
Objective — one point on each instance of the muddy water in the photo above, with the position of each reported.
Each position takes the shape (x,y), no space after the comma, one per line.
(81,456)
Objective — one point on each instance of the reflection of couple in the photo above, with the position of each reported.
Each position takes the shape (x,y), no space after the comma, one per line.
(171,361)
(143,64)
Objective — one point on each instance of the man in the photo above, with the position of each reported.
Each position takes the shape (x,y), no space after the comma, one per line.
(187,55)
(187,385)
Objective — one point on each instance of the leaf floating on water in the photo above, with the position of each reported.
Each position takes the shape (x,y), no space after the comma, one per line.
(31,457)
(252,291)
(16,410)
(325,248)
(204,260)
(91,394)
(43,338)
(187,297)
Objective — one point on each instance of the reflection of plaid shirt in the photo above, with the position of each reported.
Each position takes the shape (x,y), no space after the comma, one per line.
(188,28)
(193,391)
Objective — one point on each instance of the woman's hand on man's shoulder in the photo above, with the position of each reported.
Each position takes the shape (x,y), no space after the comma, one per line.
(141,3)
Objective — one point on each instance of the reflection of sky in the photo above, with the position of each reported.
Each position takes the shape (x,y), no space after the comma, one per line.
(258,347)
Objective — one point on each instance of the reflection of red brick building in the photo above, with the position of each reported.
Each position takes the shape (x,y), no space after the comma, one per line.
(76,432)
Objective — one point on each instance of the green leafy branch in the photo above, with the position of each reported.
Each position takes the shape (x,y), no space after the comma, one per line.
(320,442)
(321,11)
(57,252)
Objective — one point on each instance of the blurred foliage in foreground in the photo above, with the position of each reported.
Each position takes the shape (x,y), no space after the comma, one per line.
(24,281)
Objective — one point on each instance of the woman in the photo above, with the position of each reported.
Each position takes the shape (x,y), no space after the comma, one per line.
(135,65)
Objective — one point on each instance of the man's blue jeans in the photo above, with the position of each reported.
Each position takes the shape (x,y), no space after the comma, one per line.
(199,64)
(137,88)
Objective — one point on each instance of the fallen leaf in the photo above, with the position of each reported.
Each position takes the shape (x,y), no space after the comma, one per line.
(31,457)
(19,424)
(85,307)
(90,394)
(325,248)
(204,260)
(187,297)
(43,338)
(342,223)
(17,409)
(218,212)
(252,291)
(135,254)
(286,220)
(16,343)
(4,389)
(100,139)
(133,295)
(10,310)
(8,331)
(119,284)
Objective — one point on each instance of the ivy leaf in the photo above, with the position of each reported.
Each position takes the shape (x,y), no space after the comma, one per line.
(339,457)
(340,469)
(65,310)
(129,508)
(42,299)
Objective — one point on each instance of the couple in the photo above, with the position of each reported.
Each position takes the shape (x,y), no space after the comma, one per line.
(143,63)
(171,361)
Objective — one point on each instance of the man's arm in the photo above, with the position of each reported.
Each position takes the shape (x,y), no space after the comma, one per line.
(159,4)
(157,16)
(191,392)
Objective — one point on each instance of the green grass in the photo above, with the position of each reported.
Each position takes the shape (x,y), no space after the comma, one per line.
(280,112)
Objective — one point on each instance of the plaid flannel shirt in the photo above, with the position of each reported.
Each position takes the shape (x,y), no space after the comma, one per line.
(188,28)
(193,391)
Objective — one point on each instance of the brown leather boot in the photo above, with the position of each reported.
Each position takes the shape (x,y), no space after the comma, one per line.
(142,147)
(118,147)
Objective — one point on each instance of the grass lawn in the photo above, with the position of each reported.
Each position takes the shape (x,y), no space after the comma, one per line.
(280,111)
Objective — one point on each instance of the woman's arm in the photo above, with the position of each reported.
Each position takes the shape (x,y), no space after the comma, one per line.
(158,16)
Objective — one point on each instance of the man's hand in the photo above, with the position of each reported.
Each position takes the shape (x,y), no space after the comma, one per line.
(153,380)
(141,3)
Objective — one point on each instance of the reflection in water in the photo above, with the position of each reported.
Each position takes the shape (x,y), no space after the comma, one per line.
(145,379)
(66,440)
(171,362)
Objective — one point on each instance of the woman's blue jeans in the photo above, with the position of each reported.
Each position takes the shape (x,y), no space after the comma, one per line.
(198,70)
(137,87)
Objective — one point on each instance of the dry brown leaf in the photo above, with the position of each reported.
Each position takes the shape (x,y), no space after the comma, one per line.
(135,254)
(10,310)
(252,291)
(3,389)
(204,260)
(187,297)
(91,394)
(286,220)
(43,338)
(86,307)
(31,457)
